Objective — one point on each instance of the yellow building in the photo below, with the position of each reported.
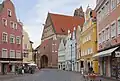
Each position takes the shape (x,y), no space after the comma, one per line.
(89,41)
(27,49)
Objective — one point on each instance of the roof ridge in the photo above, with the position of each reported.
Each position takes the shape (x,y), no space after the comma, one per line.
(61,14)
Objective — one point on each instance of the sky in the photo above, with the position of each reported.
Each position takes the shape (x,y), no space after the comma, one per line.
(33,13)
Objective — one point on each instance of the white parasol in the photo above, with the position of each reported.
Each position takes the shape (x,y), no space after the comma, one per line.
(32,64)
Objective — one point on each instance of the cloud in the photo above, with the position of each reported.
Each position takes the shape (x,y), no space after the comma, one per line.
(37,15)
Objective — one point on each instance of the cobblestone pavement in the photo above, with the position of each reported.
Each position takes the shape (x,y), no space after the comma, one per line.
(51,75)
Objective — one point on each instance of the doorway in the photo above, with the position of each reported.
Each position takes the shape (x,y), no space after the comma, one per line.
(44,61)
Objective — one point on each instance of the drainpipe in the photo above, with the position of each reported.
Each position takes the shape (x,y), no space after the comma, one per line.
(71,57)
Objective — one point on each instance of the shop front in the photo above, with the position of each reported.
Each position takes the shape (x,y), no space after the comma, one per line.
(109,62)
(8,66)
(115,64)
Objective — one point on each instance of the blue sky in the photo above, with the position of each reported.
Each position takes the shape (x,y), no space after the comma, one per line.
(34,12)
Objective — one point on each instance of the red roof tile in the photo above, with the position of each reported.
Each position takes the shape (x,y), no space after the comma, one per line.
(63,23)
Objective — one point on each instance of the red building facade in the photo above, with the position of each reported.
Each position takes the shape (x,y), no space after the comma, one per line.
(10,38)
(108,28)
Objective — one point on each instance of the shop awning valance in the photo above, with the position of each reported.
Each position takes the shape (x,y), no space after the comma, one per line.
(105,53)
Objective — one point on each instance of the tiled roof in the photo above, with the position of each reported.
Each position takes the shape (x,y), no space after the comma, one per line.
(63,23)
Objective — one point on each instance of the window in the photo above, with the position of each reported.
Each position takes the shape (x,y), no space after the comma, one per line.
(26,54)
(25,46)
(55,51)
(103,36)
(12,39)
(18,54)
(100,38)
(103,12)
(12,54)
(89,50)
(11,24)
(107,34)
(118,1)
(4,21)
(4,37)
(89,37)
(113,29)
(4,53)
(15,25)
(113,4)
(107,8)
(9,13)
(99,16)
(18,40)
(118,26)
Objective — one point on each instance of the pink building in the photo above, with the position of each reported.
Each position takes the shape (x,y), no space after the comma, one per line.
(10,38)
(108,33)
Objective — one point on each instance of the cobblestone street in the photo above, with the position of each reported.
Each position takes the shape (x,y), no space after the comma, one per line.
(49,75)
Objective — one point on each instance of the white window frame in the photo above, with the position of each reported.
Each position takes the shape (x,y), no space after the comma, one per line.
(103,36)
(18,51)
(118,2)
(4,23)
(113,6)
(14,25)
(99,40)
(112,34)
(103,11)
(12,36)
(107,7)
(107,34)
(99,16)
(118,30)
(6,37)
(18,37)
(6,52)
(9,14)
(13,55)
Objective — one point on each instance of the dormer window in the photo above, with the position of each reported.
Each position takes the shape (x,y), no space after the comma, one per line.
(9,13)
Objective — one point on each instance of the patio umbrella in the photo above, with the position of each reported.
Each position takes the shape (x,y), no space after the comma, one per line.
(32,64)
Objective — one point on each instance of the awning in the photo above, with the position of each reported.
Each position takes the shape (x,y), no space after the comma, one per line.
(105,53)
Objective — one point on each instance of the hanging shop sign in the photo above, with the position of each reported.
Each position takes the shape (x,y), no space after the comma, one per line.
(117,54)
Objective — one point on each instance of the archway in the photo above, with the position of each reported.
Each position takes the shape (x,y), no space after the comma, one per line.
(44,61)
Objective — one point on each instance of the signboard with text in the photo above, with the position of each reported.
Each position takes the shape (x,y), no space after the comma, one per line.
(117,54)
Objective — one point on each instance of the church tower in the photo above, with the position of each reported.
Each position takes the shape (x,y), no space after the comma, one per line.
(79,12)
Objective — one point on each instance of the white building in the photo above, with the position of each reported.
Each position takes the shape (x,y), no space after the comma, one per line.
(78,63)
(61,55)
(70,52)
